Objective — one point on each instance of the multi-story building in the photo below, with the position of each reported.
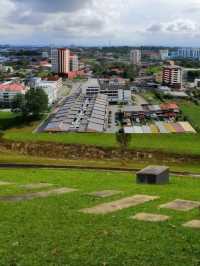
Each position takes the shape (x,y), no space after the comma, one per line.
(50,85)
(164,54)
(172,76)
(193,53)
(60,61)
(8,90)
(113,89)
(74,63)
(135,57)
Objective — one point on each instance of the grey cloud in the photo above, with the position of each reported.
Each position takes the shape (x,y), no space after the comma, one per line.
(154,28)
(50,6)
(27,19)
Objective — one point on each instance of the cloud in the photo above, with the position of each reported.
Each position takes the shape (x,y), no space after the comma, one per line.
(52,6)
(100,21)
(178,26)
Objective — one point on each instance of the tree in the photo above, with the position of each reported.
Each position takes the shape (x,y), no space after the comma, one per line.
(123,139)
(36,103)
(18,102)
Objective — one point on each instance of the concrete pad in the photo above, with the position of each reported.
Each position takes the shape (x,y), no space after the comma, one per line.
(193,224)
(104,193)
(4,183)
(41,194)
(181,205)
(149,217)
(36,186)
(119,204)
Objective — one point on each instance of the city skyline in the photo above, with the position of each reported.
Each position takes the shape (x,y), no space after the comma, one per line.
(90,23)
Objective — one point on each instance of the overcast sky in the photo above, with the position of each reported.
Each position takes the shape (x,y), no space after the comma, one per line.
(100,22)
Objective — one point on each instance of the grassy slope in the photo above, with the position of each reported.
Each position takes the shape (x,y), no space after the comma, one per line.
(51,231)
(192,111)
(10,157)
(186,143)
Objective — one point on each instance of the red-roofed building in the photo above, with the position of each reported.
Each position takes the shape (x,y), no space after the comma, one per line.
(8,91)
(170,109)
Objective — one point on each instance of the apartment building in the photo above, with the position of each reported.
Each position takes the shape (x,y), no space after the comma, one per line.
(172,76)
(60,58)
(8,90)
(135,57)
(164,54)
(74,64)
(51,86)
(193,53)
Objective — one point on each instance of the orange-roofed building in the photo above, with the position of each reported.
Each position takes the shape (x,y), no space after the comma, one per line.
(8,91)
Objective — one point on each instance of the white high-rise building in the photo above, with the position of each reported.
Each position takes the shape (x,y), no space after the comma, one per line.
(193,53)
(60,60)
(164,54)
(74,63)
(135,57)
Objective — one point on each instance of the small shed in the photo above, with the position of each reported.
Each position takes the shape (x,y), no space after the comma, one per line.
(153,175)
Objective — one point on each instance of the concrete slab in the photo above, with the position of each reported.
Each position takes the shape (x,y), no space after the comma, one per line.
(36,186)
(104,193)
(193,224)
(119,204)
(4,183)
(181,205)
(150,217)
(41,194)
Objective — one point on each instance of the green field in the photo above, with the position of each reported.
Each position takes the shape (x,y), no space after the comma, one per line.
(52,231)
(183,144)
(192,112)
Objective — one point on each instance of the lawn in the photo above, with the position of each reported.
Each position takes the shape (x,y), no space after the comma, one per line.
(192,112)
(174,143)
(52,231)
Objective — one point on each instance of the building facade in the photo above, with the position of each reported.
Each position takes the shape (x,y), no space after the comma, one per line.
(164,54)
(51,86)
(113,89)
(74,64)
(8,91)
(193,53)
(135,57)
(172,76)
(60,60)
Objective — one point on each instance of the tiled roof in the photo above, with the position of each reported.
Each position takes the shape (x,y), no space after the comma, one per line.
(15,87)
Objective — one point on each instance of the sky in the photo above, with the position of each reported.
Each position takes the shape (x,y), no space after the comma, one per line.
(100,22)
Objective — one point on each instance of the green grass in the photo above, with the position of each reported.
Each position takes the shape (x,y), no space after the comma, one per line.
(153,70)
(51,231)
(192,112)
(11,157)
(7,119)
(174,143)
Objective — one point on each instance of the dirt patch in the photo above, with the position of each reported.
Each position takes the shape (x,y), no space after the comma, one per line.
(42,194)
(119,204)
(73,152)
(104,193)
(193,224)
(36,186)
(181,205)
(149,217)
(4,183)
